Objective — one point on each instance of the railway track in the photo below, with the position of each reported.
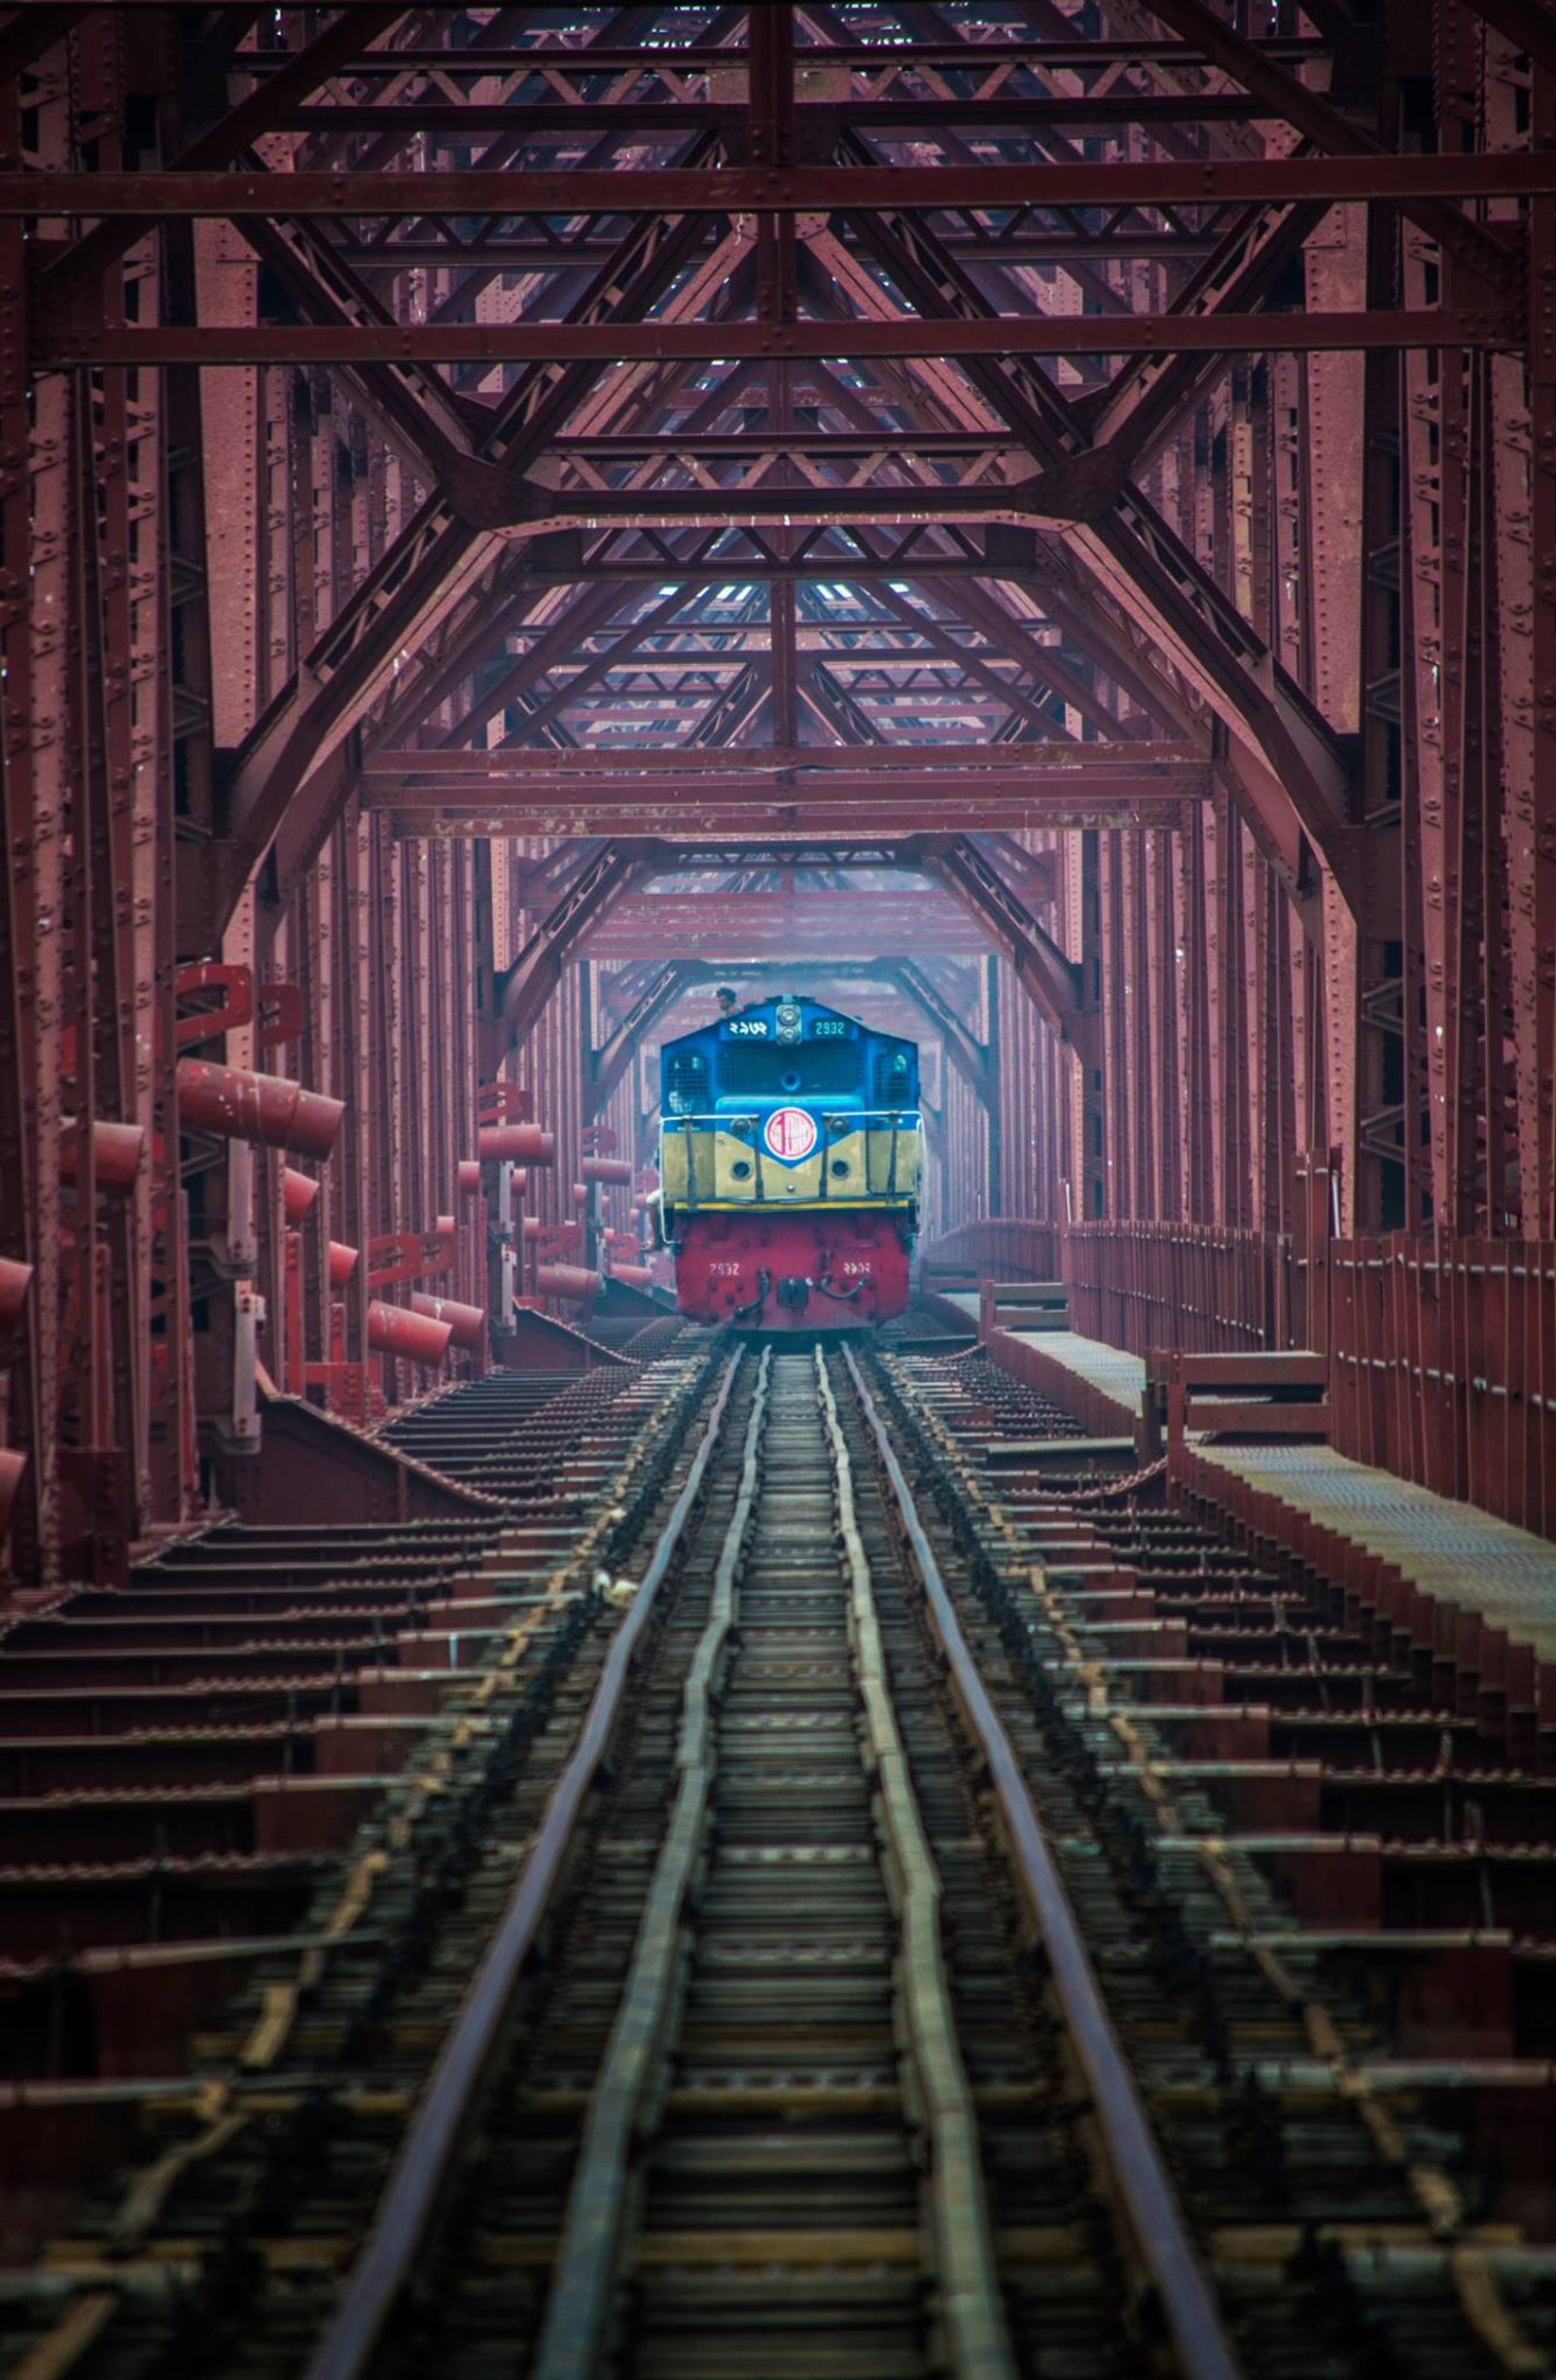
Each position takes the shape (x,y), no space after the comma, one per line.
(828,1974)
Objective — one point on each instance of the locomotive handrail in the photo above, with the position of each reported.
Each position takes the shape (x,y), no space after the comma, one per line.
(899,1118)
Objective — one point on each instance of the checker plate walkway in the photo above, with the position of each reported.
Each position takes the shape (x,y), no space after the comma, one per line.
(1447,1550)
(1102,1386)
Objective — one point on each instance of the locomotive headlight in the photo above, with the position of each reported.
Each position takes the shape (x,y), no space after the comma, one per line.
(787,1020)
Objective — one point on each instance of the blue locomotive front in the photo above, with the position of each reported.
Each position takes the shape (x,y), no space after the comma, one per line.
(791,1154)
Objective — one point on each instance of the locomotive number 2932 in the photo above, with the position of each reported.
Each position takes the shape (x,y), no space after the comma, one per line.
(750,1028)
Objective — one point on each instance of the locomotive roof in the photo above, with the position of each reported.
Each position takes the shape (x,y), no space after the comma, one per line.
(764,1007)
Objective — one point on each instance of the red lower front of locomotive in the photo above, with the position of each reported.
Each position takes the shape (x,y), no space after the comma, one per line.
(814,1271)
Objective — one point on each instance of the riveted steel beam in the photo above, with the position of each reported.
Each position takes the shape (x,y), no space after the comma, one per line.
(607,1066)
(521,992)
(1054,982)
(66,340)
(1235,181)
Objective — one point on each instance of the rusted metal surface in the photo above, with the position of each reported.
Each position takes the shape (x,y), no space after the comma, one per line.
(1443,1366)
(1036,527)
(1179,1285)
(754,191)
(177,1757)
(1307,1955)
(1191,2317)
(1109,479)
(389,2258)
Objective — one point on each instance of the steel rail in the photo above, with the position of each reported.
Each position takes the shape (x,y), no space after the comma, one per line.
(972,2305)
(589,2246)
(1154,2216)
(387,2262)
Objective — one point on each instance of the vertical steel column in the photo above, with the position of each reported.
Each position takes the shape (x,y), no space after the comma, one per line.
(29,1224)
(1529,689)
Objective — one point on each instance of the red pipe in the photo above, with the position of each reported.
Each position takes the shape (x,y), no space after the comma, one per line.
(570,1281)
(236,1105)
(13,1469)
(117,1150)
(580,1194)
(393,1329)
(521,1143)
(300,1191)
(343,1263)
(636,1276)
(470,1177)
(468,1322)
(606,1169)
(15,1282)
(530,1226)
(518,1145)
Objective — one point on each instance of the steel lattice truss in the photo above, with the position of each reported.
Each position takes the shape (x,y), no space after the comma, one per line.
(505,510)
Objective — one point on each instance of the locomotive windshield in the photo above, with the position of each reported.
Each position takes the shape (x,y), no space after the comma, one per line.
(686,1081)
(893,1081)
(765,1070)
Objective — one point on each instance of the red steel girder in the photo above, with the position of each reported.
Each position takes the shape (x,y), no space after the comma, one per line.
(521,993)
(1314,115)
(1054,982)
(1528,24)
(416,583)
(29,32)
(1178,767)
(729,810)
(677,794)
(975,1061)
(607,1066)
(712,923)
(1150,570)
(445,123)
(1037,244)
(85,261)
(68,341)
(691,190)
(1060,54)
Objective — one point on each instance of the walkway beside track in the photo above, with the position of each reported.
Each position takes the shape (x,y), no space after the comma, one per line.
(1110,1382)
(1308,1498)
(1103,1387)
(1383,1535)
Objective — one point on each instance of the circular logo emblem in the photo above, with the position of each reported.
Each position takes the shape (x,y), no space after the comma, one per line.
(790,1133)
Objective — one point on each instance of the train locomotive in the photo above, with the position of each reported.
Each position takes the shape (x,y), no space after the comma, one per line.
(791,1152)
